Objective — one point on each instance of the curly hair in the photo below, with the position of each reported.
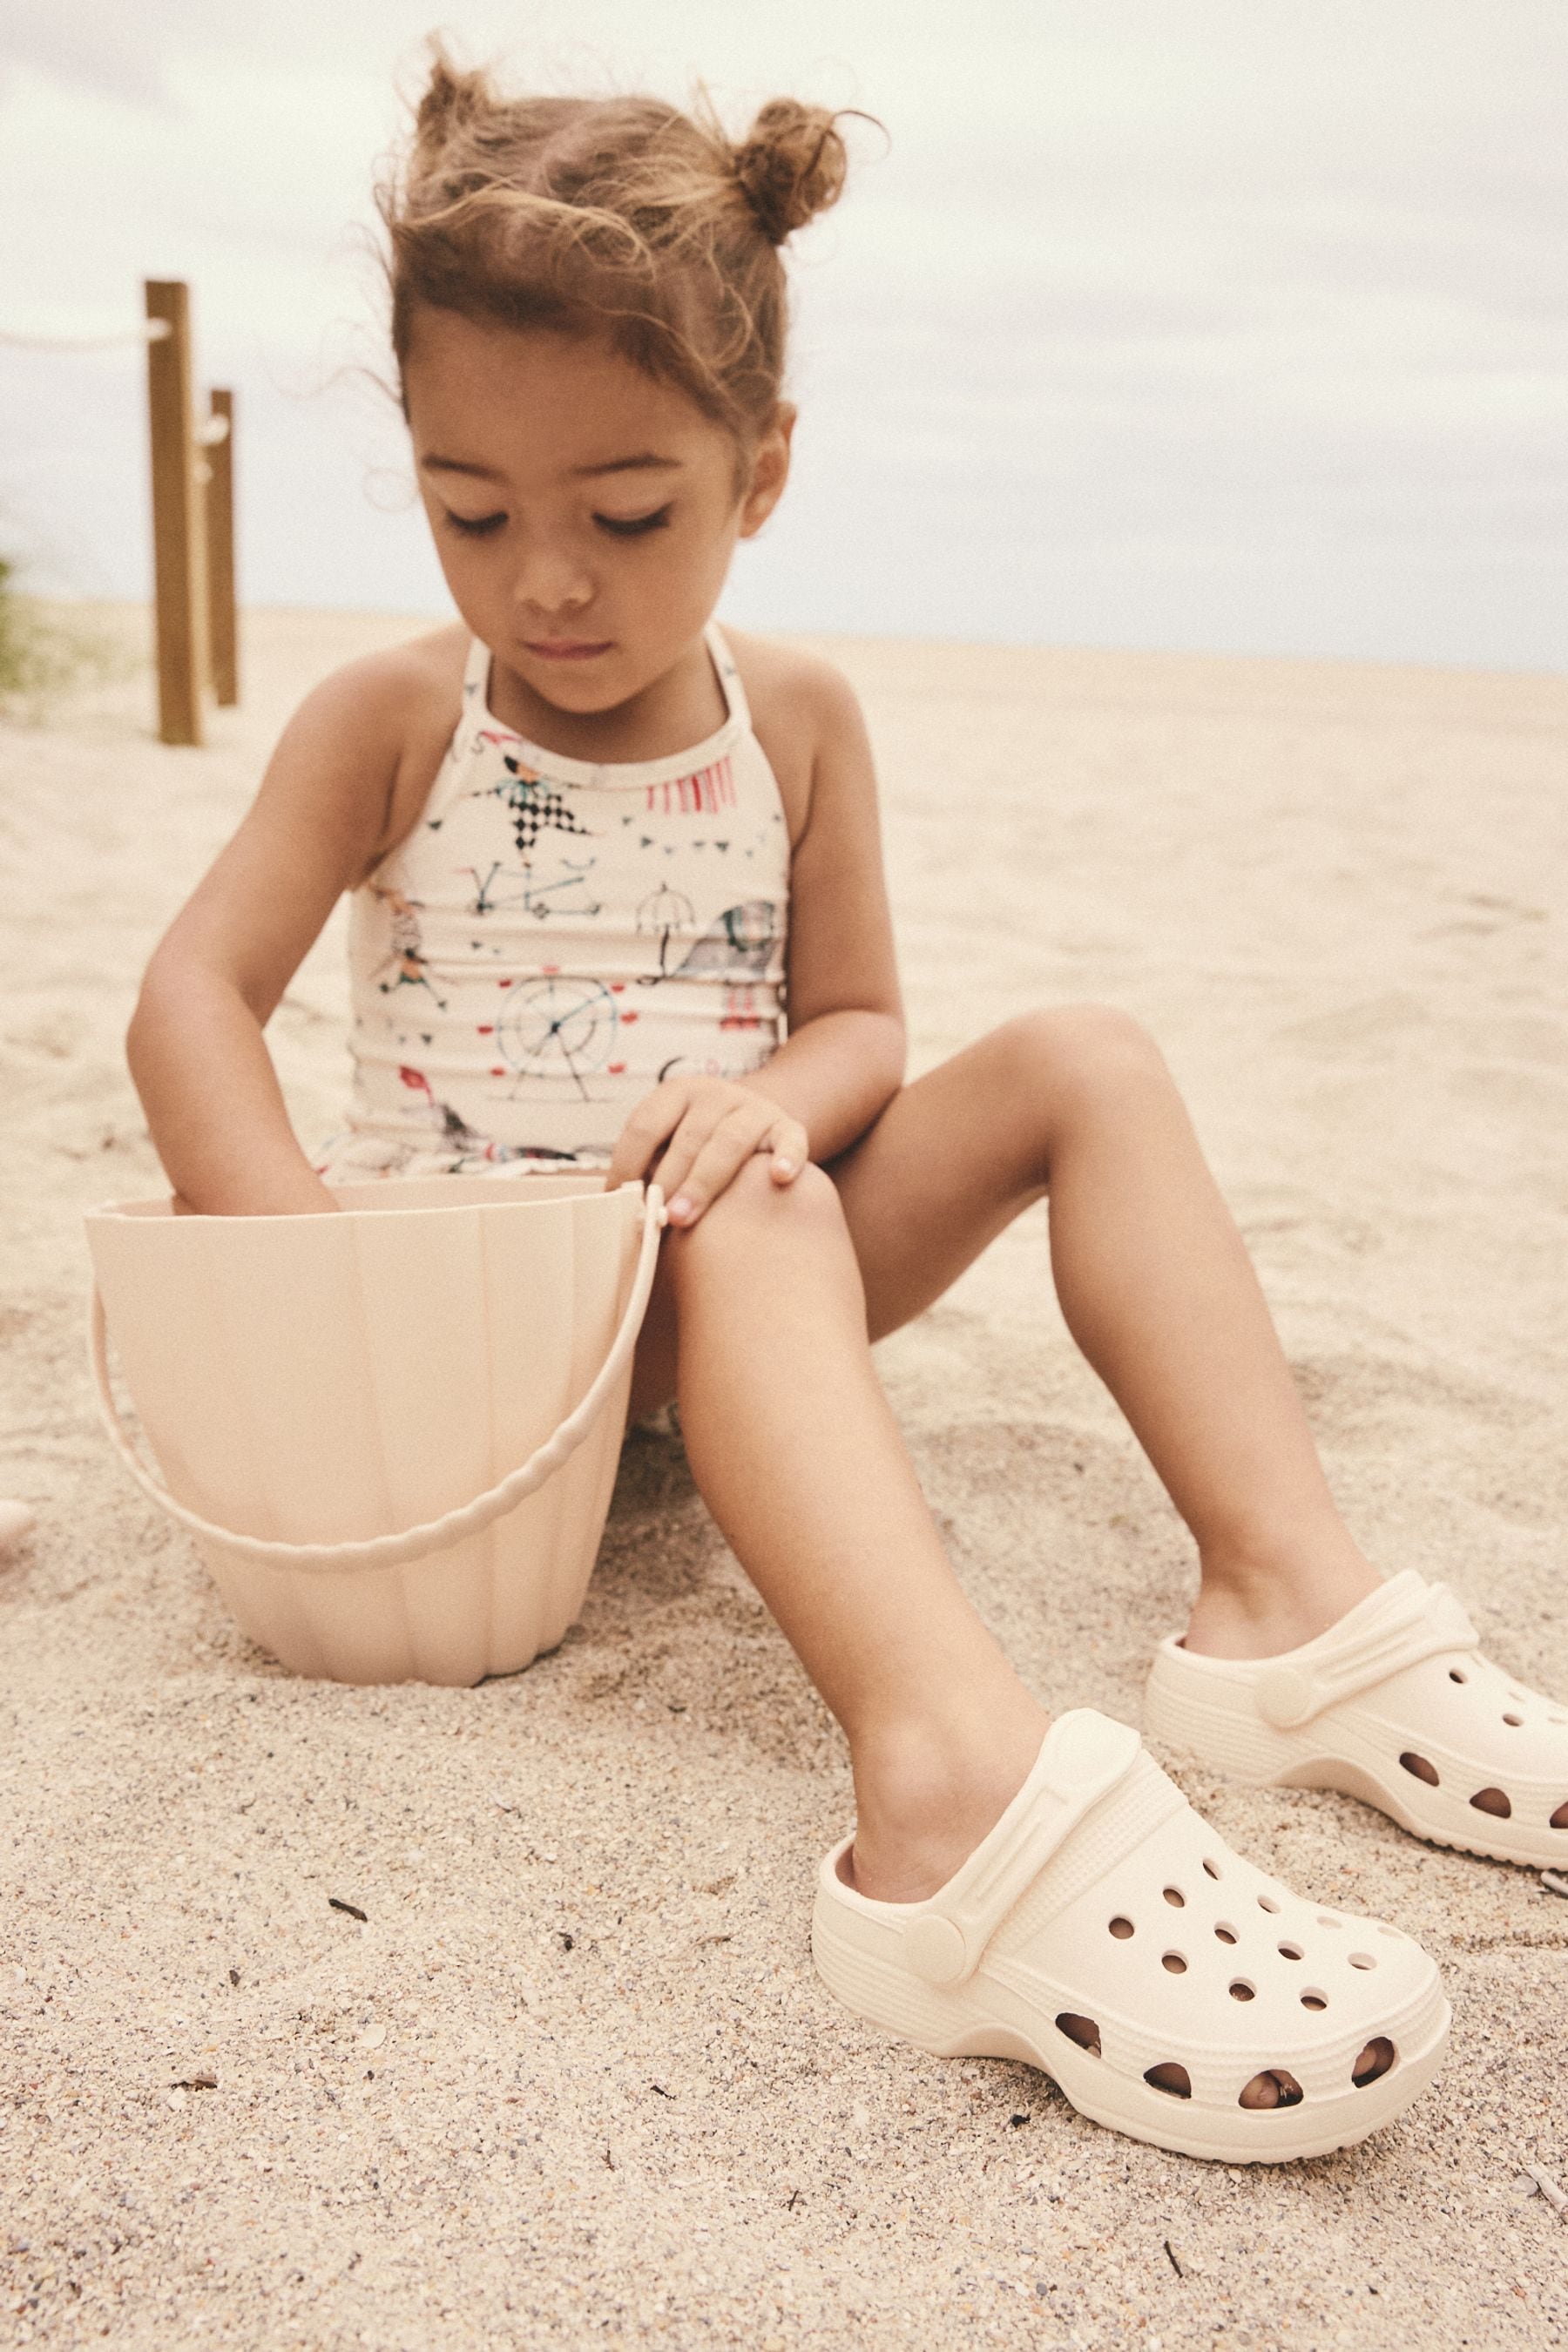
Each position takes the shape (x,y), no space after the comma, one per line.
(622,217)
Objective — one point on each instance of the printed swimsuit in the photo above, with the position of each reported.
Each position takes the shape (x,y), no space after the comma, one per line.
(553,939)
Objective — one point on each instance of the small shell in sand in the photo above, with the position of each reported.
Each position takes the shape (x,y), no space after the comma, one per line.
(16,1518)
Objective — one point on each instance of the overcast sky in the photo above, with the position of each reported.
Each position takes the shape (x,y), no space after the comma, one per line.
(1216,324)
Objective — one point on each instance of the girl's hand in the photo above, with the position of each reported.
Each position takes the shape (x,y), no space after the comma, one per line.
(706,1128)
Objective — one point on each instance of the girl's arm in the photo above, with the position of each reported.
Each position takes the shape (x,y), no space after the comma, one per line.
(844,1058)
(317,824)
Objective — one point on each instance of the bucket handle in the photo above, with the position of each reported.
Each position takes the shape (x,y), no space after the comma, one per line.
(434,1534)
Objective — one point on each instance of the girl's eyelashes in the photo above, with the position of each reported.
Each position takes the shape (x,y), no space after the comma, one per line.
(630,527)
(617,526)
(475,526)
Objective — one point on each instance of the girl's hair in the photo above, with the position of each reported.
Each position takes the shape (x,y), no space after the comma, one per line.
(615,215)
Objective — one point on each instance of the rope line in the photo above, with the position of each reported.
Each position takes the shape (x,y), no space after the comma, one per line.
(150,330)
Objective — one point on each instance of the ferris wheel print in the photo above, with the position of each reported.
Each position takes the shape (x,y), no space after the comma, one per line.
(557,1027)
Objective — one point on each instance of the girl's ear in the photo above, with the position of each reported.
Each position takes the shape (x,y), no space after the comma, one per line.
(769,471)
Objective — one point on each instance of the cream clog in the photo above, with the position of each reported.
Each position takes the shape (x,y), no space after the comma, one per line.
(1103,1933)
(1395,1704)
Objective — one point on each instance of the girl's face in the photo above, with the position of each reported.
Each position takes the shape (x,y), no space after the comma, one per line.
(585,513)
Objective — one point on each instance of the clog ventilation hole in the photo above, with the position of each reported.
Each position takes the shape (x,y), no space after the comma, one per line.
(1495,1801)
(1173,2079)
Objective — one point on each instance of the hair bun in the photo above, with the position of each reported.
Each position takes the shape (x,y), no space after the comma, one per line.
(791,165)
(452,99)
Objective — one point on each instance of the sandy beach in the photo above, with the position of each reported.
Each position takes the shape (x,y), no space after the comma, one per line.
(572,2079)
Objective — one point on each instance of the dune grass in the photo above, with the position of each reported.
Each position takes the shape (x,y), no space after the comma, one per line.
(46,652)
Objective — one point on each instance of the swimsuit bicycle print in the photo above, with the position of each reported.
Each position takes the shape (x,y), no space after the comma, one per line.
(537,898)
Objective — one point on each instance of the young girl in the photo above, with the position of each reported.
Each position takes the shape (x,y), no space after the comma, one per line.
(594,847)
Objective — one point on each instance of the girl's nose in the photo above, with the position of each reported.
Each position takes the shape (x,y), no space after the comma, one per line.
(551,580)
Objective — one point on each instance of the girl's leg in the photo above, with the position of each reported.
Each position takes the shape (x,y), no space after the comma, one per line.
(759,1313)
(1154,1280)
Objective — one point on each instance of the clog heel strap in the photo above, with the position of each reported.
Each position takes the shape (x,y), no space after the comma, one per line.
(1153,1971)
(1395,1705)
(945,1939)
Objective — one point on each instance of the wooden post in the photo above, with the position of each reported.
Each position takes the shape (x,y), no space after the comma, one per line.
(178,537)
(223,619)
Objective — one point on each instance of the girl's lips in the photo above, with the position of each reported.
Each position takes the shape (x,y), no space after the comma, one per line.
(565,648)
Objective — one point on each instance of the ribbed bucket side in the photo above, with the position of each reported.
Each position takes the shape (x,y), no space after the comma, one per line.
(322,1380)
(346,1626)
(600,1284)
(422,1309)
(242,1342)
(542,1363)
(588,1480)
(188,1372)
(291,1298)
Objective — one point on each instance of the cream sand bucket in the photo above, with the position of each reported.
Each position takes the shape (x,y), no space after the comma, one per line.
(394,1432)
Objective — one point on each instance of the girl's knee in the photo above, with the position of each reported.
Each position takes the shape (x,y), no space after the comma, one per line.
(1079,1045)
(752,1207)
